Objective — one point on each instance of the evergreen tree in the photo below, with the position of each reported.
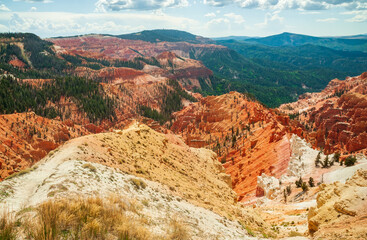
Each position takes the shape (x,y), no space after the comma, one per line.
(311,182)
(317,161)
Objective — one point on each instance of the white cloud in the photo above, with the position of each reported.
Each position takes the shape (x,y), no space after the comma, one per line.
(309,12)
(359,16)
(218,21)
(309,5)
(235,18)
(4,8)
(33,1)
(210,15)
(118,5)
(218,3)
(225,24)
(327,20)
(271,20)
(61,24)
(33,9)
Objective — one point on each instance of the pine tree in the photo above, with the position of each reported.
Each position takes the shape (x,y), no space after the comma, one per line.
(299,182)
(311,182)
(317,161)
(326,162)
(336,157)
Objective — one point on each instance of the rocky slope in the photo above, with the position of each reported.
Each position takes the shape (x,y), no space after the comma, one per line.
(99,46)
(158,173)
(25,138)
(336,117)
(249,139)
(340,206)
(173,57)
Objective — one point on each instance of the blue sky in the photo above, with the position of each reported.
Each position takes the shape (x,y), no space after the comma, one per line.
(209,18)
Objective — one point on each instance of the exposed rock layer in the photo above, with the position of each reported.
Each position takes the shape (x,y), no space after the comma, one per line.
(336,117)
(249,138)
(340,206)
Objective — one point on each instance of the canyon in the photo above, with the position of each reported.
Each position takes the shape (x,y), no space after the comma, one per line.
(225,162)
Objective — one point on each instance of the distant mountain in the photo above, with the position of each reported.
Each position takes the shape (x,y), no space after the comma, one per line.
(360,36)
(165,35)
(237,38)
(305,57)
(291,39)
(269,81)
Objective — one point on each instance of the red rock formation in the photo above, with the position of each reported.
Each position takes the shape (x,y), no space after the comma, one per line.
(25,138)
(107,47)
(248,138)
(17,63)
(172,56)
(336,117)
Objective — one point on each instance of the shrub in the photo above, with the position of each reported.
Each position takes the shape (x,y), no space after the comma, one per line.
(350,160)
(304,187)
(90,167)
(138,184)
(178,231)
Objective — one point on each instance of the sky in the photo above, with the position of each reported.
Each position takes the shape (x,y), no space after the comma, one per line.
(208,18)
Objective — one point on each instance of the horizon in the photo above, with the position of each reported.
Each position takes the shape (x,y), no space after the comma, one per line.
(106,34)
(208,18)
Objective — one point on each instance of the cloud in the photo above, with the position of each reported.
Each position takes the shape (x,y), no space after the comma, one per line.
(33,9)
(4,8)
(218,3)
(33,1)
(309,12)
(47,24)
(327,20)
(218,21)
(235,18)
(225,24)
(143,5)
(359,16)
(309,5)
(210,15)
(272,19)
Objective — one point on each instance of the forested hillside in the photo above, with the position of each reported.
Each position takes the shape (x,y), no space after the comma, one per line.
(88,95)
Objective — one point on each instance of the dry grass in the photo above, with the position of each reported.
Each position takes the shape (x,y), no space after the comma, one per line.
(20,173)
(7,227)
(295,234)
(138,184)
(178,231)
(90,218)
(90,167)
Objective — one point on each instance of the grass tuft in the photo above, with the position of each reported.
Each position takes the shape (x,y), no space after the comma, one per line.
(8,229)
(20,173)
(87,218)
(90,167)
(138,184)
(178,231)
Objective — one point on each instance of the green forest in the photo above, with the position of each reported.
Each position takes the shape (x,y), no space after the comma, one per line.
(87,94)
